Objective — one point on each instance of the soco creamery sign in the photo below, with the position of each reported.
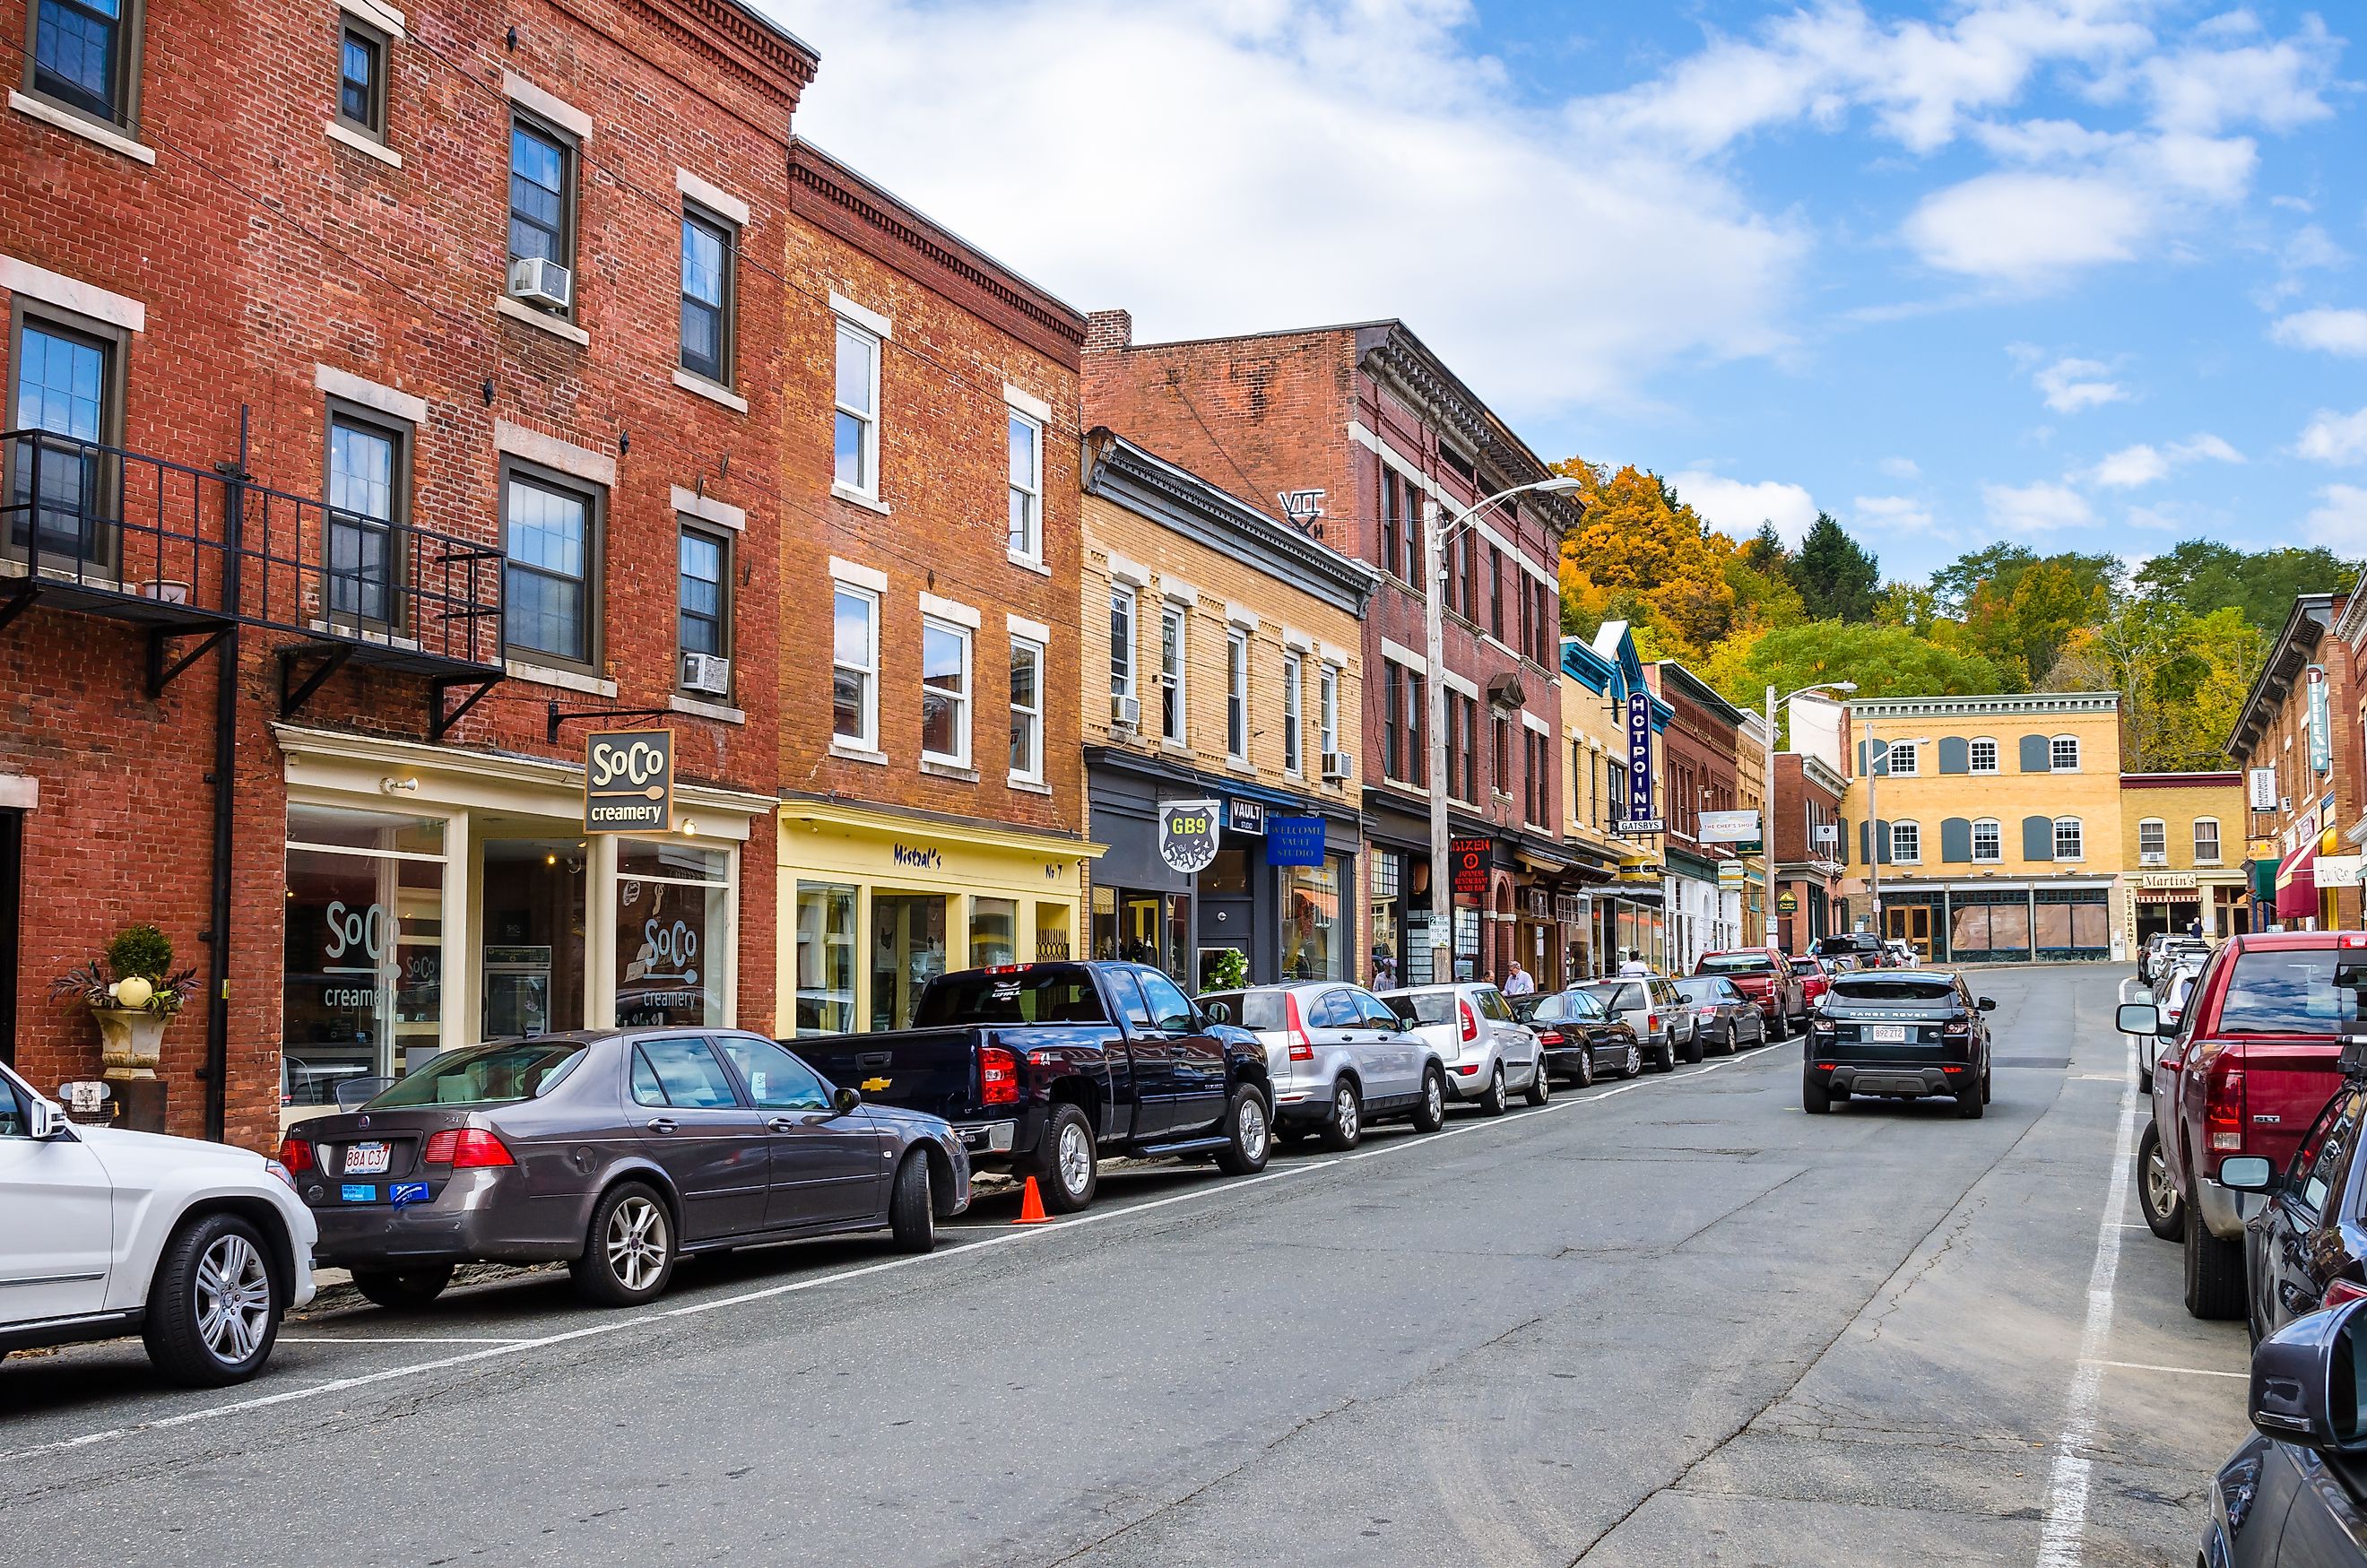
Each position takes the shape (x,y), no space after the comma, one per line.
(629,781)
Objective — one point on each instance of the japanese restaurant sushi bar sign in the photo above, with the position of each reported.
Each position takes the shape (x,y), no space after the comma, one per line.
(629,781)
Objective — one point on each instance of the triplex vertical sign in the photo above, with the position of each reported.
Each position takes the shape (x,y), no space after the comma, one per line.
(629,781)
(1639,818)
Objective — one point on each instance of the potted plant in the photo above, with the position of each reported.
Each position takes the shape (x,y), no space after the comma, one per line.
(133,991)
(1228,970)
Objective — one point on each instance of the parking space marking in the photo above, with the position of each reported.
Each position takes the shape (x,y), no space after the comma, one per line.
(2063,1542)
(516,1346)
(389,1339)
(2183,1371)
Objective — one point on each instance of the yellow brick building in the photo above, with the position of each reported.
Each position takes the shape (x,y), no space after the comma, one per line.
(1222,664)
(2183,836)
(1996,822)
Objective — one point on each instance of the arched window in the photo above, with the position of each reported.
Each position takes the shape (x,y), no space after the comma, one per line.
(1981,754)
(2063,754)
(2153,842)
(1907,843)
(2070,842)
(2207,840)
(1988,841)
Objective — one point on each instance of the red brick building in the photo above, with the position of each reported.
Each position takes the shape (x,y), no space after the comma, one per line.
(1699,773)
(1807,864)
(1349,432)
(422,384)
(932,795)
(2303,722)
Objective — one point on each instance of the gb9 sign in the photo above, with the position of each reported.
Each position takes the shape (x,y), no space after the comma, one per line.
(629,781)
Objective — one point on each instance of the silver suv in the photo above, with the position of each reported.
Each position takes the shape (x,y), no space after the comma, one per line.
(1488,1053)
(1650,1005)
(1337,1059)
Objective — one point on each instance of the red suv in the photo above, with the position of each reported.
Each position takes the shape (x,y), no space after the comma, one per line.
(1764,974)
(2253,1061)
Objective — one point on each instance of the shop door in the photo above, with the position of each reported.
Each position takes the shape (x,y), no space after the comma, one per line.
(1228,914)
(1912,923)
(908,951)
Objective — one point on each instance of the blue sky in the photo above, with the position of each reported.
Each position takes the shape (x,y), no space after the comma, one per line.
(2080,273)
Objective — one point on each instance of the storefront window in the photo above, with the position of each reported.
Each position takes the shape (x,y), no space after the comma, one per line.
(908,951)
(825,957)
(1138,927)
(363,949)
(1314,935)
(674,933)
(994,931)
(1388,914)
(533,957)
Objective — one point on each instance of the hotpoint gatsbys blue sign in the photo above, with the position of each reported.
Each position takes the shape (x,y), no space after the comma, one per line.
(1294,841)
(1639,818)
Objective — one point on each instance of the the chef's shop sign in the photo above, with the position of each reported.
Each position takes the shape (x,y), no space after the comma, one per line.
(629,781)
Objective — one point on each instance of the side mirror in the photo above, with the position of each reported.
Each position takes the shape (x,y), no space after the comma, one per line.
(1987,1004)
(2304,1382)
(845,1099)
(2247,1173)
(1219,1012)
(2138,1018)
(46,1121)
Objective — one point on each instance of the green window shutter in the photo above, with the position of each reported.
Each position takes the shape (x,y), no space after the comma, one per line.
(2035,755)
(1956,842)
(2037,832)
(1956,756)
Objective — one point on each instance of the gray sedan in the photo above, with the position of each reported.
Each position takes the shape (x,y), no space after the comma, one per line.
(614,1151)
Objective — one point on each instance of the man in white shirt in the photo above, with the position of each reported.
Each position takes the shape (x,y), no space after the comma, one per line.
(1519,983)
(1633,964)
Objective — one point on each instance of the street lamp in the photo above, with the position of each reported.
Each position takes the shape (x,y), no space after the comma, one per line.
(1767,801)
(1442,897)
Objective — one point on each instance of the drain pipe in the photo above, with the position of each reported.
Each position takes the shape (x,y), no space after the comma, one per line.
(217,1068)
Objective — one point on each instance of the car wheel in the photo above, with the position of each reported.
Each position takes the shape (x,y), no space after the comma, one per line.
(1069,1165)
(1971,1103)
(1988,1079)
(213,1308)
(2215,1272)
(1539,1090)
(1586,1067)
(1781,1030)
(1669,1051)
(1249,1126)
(402,1289)
(1345,1127)
(1815,1099)
(1694,1047)
(1634,1066)
(1492,1103)
(2157,1196)
(912,1207)
(2144,1082)
(1732,1040)
(629,1255)
(1430,1113)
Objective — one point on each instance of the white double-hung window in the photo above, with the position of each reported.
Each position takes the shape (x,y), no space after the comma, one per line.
(945,692)
(856,438)
(1293,697)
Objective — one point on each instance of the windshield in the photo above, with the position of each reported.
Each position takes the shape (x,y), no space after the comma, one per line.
(490,1075)
(1844,945)
(1250,1009)
(1703,988)
(1423,1007)
(1056,993)
(1737,963)
(1619,998)
(2284,991)
(1850,989)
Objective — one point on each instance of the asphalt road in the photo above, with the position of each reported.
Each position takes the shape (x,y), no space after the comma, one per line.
(1670,1322)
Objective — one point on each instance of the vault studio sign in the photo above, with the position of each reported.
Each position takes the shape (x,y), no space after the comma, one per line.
(629,781)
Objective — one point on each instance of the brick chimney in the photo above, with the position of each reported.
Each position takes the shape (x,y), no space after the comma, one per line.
(1106,329)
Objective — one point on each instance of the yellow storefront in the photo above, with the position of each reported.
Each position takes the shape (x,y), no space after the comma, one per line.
(875,904)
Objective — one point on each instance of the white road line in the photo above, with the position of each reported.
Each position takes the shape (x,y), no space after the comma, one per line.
(2063,1542)
(388,1339)
(2183,1371)
(515,1346)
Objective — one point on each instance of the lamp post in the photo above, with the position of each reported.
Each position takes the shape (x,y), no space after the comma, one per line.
(1435,536)
(1767,801)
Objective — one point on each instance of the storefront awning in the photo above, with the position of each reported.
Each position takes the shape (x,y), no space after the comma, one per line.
(2297,882)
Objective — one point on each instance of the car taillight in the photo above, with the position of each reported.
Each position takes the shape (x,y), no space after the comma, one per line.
(1293,1028)
(1470,1022)
(465,1148)
(2223,1112)
(2340,1290)
(1823,1026)
(1957,1028)
(1549,1037)
(295,1154)
(998,1075)
(1707,1009)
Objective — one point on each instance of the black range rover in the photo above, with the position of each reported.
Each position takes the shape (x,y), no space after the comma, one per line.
(1902,1033)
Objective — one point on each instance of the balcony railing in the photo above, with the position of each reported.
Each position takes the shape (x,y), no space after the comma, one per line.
(190,552)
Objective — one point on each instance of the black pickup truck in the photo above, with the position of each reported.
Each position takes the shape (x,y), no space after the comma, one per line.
(1045,1067)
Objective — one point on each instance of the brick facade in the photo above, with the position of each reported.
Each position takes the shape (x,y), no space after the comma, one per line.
(2273,731)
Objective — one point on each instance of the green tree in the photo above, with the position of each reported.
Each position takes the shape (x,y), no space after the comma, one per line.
(1885,662)
(1837,577)
(2204,575)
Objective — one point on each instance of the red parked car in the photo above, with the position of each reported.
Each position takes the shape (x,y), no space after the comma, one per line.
(1814,981)
(2253,1061)
(1764,974)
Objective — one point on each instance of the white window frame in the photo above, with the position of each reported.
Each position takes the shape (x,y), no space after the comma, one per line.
(1237,694)
(870,342)
(1029,552)
(1033,716)
(1997,841)
(1293,714)
(1892,751)
(1973,755)
(2159,853)
(2078,839)
(1125,683)
(869,740)
(1327,708)
(1914,833)
(1172,677)
(967,704)
(2055,741)
(2217,851)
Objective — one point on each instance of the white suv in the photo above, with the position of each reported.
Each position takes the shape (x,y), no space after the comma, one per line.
(198,1248)
(1488,1053)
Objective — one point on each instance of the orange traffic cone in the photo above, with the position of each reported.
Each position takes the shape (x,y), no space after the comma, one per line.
(1031,1207)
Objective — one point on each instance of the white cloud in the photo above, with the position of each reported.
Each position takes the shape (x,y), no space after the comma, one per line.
(1894,513)
(2277,84)
(2339,521)
(1900,467)
(2133,466)
(2070,385)
(1736,507)
(2035,508)
(2026,228)
(2329,331)
(2337,439)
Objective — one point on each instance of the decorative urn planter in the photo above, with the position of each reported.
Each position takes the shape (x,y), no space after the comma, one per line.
(132,1041)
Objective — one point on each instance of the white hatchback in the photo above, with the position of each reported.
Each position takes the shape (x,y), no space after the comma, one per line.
(200,1248)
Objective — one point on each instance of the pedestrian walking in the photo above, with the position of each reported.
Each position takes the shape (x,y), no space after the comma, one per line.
(1519,983)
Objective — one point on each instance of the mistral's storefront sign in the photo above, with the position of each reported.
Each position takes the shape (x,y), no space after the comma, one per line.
(629,781)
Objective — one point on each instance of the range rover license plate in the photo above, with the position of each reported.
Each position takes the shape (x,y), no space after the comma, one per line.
(1880,1034)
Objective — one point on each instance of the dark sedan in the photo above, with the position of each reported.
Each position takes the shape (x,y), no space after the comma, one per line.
(615,1152)
(2307,1247)
(1726,1019)
(1897,1033)
(1581,1040)
(2294,1495)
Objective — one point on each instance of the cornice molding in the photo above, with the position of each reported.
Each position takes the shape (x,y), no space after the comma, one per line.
(2035,704)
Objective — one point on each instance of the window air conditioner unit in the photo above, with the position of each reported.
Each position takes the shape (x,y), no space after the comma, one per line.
(538,281)
(706,672)
(1338,765)
(1125,712)
(2162,859)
